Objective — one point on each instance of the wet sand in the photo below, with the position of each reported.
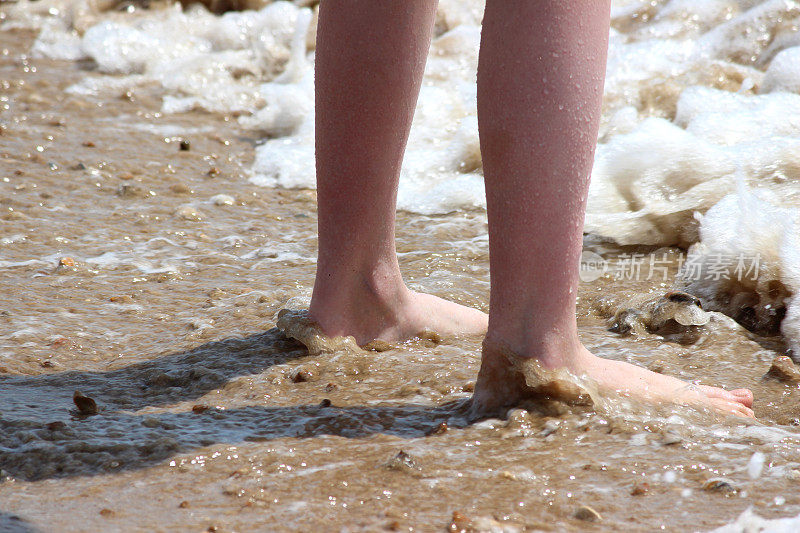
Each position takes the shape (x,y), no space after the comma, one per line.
(127,277)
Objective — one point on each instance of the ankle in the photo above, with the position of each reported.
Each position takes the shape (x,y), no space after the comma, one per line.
(370,298)
(553,349)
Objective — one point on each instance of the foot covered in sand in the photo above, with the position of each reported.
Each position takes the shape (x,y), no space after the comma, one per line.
(506,380)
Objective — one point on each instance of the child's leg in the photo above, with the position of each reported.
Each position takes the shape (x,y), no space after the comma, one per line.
(369,65)
(540,85)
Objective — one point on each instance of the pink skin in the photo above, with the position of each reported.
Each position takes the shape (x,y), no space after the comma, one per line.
(540,85)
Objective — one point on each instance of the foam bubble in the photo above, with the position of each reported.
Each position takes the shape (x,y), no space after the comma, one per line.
(749,521)
(783,73)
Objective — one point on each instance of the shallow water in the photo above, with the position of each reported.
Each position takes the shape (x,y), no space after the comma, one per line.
(128,277)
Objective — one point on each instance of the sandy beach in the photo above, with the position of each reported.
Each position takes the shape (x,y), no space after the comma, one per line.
(143,263)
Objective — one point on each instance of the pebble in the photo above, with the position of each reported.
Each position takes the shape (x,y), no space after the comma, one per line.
(66,262)
(783,369)
(180,188)
(721,486)
(587,514)
(199,408)
(187,212)
(302,375)
(222,199)
(439,429)
(85,405)
(378,346)
(670,437)
(184,145)
(131,191)
(402,462)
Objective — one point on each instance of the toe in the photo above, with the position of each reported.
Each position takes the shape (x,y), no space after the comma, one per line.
(735,408)
(744,396)
(741,396)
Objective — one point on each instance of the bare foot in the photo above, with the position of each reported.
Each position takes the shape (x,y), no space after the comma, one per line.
(396,316)
(506,379)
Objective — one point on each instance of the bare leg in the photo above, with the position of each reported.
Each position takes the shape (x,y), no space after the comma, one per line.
(369,65)
(540,85)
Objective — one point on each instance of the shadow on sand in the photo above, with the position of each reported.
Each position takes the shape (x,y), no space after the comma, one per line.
(41,437)
(11,523)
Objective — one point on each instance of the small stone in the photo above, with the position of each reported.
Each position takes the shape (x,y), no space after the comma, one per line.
(721,486)
(670,437)
(85,405)
(199,408)
(378,346)
(122,299)
(440,429)
(55,426)
(184,504)
(88,144)
(150,422)
(216,292)
(66,262)
(324,403)
(213,172)
(222,199)
(330,387)
(130,191)
(187,212)
(587,514)
(431,336)
(62,341)
(180,188)
(469,386)
(47,364)
(184,145)
(640,489)
(783,369)
(302,375)
(508,475)
(106,513)
(78,166)
(402,462)
(14,215)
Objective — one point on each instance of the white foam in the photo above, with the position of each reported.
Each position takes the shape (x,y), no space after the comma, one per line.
(751,228)
(755,466)
(783,73)
(749,522)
